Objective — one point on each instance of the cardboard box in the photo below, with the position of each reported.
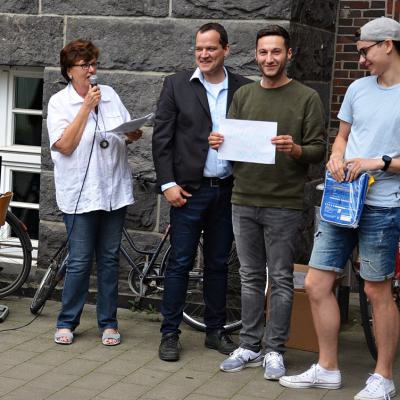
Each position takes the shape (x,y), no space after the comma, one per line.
(302,332)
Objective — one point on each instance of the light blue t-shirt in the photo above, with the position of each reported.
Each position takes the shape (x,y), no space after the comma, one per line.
(374,114)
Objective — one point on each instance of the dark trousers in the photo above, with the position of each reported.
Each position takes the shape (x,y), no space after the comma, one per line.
(208,210)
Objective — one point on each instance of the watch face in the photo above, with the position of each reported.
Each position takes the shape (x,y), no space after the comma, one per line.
(386,159)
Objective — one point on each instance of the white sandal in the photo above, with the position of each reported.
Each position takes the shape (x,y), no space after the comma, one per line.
(114,336)
(58,336)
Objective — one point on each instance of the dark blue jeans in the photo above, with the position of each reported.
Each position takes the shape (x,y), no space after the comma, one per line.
(208,210)
(99,232)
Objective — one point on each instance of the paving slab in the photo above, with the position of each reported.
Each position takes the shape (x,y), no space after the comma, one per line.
(53,381)
(71,392)
(124,391)
(146,376)
(29,392)
(9,384)
(26,371)
(33,367)
(96,380)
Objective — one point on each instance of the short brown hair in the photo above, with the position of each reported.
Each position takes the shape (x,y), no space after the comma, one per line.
(215,26)
(79,49)
(274,30)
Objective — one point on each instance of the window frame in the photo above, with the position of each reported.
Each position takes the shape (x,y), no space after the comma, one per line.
(10,73)
(16,157)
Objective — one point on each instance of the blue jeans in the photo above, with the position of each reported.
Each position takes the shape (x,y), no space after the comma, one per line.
(265,237)
(377,236)
(209,209)
(100,232)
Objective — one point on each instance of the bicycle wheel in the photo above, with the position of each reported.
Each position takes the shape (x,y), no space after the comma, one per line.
(194,306)
(15,255)
(367,319)
(54,274)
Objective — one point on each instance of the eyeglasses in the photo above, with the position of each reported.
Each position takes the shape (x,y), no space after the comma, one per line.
(364,51)
(86,66)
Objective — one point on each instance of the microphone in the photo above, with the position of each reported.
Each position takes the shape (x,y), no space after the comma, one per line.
(93,82)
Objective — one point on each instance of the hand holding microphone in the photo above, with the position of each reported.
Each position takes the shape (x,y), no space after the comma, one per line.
(93,96)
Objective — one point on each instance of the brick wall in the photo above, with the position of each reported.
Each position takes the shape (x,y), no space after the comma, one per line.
(352,15)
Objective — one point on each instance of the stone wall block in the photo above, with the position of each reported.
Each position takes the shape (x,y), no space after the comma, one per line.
(47,163)
(323,89)
(19,6)
(152,8)
(138,92)
(315,13)
(51,237)
(140,158)
(313,54)
(48,206)
(53,83)
(224,9)
(161,46)
(29,40)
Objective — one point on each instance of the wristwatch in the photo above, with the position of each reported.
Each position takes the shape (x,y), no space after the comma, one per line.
(387,160)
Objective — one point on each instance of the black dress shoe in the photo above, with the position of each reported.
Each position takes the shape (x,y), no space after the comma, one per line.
(221,341)
(169,347)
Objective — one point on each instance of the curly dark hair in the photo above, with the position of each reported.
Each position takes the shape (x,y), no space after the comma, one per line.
(79,49)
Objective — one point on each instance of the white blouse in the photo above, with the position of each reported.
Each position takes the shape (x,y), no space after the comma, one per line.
(108,184)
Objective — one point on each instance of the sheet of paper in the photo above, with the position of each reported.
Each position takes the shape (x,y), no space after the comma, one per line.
(248,141)
(131,126)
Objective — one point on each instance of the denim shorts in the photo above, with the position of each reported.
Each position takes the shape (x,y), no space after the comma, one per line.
(377,236)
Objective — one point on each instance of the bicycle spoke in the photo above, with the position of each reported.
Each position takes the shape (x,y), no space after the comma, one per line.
(15,255)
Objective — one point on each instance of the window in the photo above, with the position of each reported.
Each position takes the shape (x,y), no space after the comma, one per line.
(21,98)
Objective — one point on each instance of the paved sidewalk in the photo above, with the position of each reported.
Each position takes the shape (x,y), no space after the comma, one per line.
(33,367)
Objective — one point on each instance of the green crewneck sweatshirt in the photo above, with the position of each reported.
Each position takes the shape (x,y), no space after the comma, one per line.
(298,111)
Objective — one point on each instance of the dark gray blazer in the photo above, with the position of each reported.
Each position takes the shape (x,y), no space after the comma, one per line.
(182,125)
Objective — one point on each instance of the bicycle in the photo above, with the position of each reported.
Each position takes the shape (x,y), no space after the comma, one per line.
(367,317)
(146,278)
(15,255)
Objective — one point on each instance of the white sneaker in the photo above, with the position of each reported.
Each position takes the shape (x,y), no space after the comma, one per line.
(315,377)
(377,388)
(241,358)
(274,367)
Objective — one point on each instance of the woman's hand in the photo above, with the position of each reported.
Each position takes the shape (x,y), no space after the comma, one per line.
(92,98)
(133,136)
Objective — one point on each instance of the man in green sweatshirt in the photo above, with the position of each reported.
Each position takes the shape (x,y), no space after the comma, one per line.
(268,199)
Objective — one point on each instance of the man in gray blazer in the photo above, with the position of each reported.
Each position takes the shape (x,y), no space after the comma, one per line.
(197,185)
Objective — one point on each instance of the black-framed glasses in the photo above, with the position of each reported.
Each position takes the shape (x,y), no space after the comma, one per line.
(86,66)
(364,51)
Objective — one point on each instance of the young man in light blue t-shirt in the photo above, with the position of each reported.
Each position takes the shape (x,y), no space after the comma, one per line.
(368,140)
